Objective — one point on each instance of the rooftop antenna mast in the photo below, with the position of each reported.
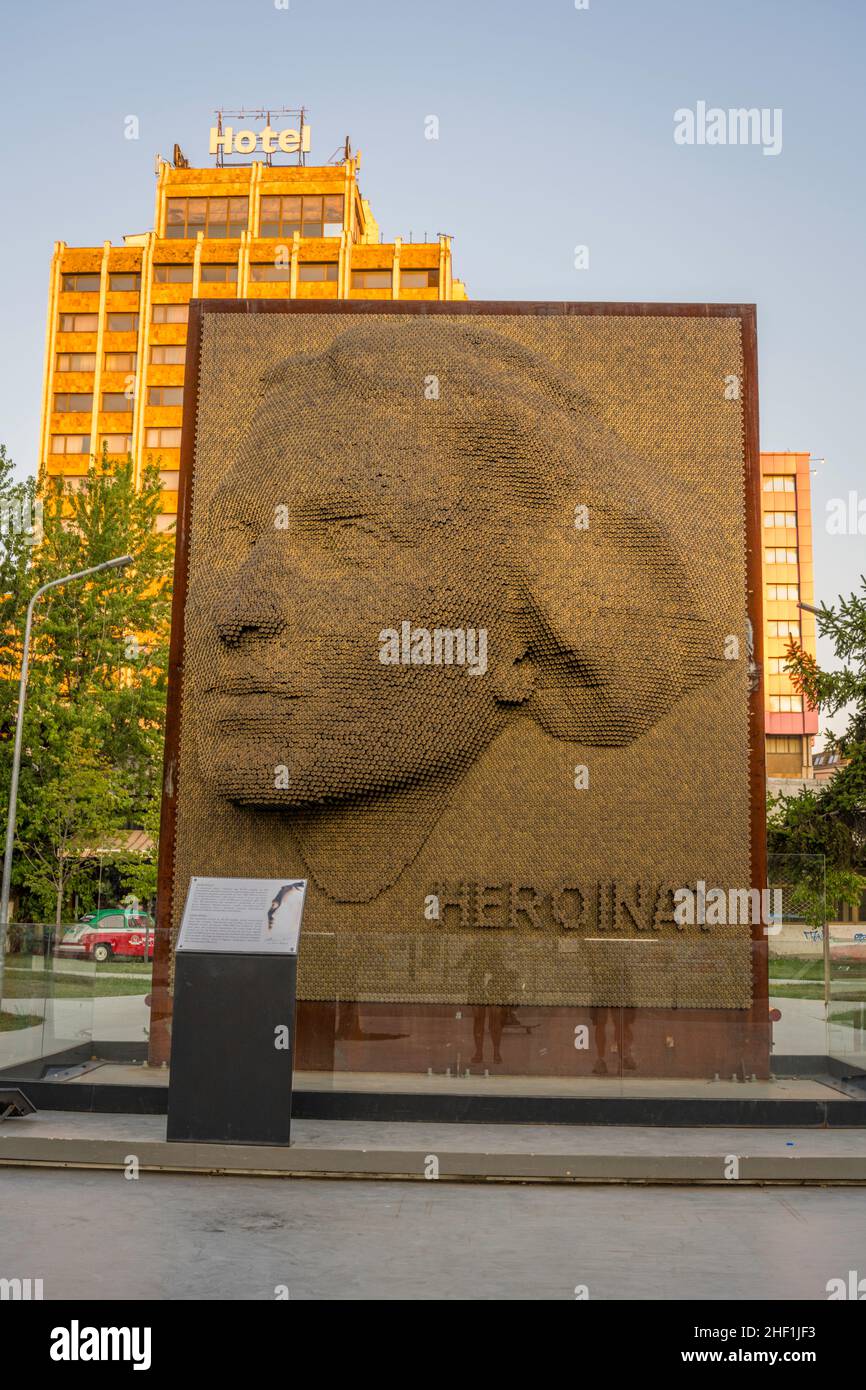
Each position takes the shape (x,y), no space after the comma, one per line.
(342,154)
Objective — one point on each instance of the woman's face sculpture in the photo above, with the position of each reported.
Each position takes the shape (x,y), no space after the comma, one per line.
(315,550)
(360,501)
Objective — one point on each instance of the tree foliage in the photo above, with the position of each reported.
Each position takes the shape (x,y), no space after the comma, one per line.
(825,829)
(93,731)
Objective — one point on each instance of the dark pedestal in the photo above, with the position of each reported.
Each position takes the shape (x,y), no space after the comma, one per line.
(230,1083)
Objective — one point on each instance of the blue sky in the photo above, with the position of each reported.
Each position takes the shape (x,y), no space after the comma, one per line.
(556,129)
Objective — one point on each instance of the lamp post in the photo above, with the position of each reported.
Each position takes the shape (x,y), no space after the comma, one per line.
(117,563)
(819,613)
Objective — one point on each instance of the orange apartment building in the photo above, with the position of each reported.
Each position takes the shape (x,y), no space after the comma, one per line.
(788,580)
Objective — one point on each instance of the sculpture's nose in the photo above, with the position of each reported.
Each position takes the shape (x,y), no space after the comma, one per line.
(253,607)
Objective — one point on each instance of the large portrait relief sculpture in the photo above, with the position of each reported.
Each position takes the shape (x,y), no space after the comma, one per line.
(465,644)
(502,513)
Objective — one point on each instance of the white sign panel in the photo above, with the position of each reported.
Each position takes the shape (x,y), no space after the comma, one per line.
(249,916)
(232,141)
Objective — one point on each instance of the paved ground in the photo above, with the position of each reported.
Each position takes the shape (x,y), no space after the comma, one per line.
(459,1152)
(781,1142)
(99,1236)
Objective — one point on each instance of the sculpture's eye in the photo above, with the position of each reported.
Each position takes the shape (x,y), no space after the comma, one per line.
(240,533)
(231,531)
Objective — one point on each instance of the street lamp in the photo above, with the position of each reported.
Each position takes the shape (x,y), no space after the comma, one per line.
(117,563)
(819,613)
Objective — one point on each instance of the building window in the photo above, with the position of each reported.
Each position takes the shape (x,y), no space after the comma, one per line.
(319,215)
(73,401)
(786,704)
(371,279)
(170,313)
(169,480)
(776,665)
(76,361)
(122,323)
(120,361)
(831,760)
(172,274)
(116,400)
(124,282)
(219,274)
(165,395)
(779,483)
(780,519)
(79,323)
(162,438)
(780,556)
(280,217)
(419,279)
(216,217)
(270,272)
(783,743)
(327,271)
(168,356)
(82,283)
(70,444)
(779,593)
(115,443)
(783,628)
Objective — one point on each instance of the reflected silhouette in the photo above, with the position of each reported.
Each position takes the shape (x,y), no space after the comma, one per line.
(622,1038)
(488,979)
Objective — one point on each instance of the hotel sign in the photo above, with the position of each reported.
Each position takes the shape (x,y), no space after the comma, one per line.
(269,141)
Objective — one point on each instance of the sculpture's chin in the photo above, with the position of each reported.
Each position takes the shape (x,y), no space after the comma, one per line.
(254,787)
(273,786)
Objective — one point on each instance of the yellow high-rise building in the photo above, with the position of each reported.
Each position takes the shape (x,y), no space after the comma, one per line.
(117,315)
(786,516)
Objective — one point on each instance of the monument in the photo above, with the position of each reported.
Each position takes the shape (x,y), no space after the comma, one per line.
(464,605)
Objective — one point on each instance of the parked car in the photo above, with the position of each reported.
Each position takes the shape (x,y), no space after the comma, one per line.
(108,935)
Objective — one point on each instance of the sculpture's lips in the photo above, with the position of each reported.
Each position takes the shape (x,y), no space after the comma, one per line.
(246,689)
(244,702)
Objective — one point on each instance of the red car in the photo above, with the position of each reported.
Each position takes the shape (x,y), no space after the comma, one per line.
(108,935)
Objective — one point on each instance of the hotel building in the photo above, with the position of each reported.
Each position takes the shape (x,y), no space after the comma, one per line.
(117,315)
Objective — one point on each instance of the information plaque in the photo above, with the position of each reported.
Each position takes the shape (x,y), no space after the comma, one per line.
(243,916)
(233,1032)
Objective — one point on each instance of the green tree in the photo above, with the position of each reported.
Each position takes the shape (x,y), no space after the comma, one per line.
(824,831)
(69,821)
(20,530)
(138,872)
(93,732)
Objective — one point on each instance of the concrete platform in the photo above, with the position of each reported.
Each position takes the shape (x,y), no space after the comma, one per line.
(478,1084)
(453,1152)
(812,1097)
